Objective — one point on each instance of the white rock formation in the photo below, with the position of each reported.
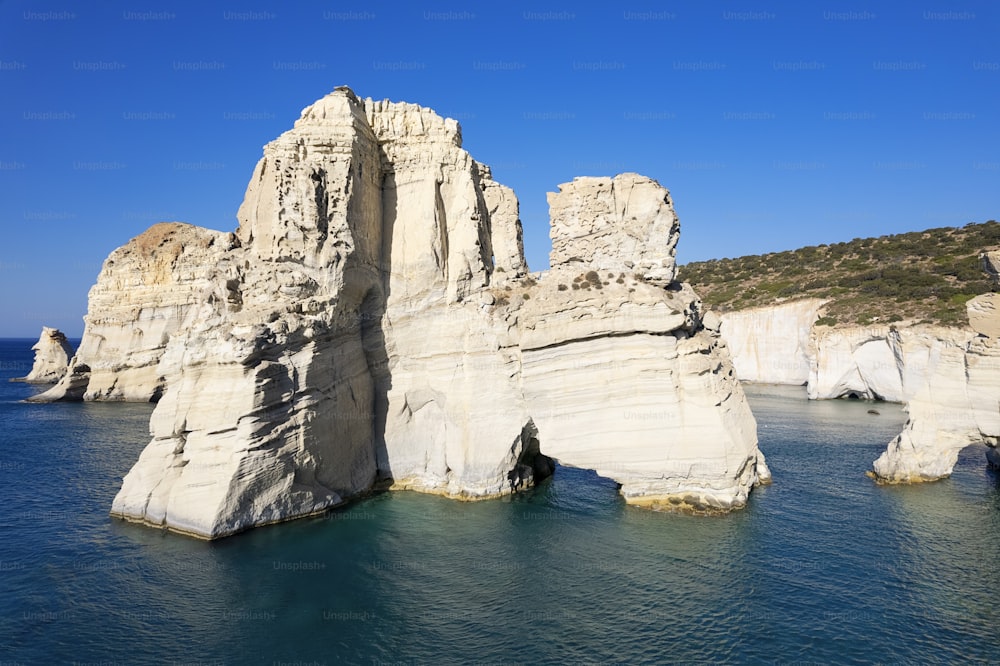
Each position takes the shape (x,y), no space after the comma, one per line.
(504,215)
(956,404)
(626,381)
(268,414)
(781,344)
(450,417)
(148,289)
(864,362)
(947,376)
(359,327)
(52,355)
(984,314)
(625,223)
(990,262)
(772,344)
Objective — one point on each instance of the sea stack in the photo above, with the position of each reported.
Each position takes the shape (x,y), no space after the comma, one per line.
(52,355)
(373,322)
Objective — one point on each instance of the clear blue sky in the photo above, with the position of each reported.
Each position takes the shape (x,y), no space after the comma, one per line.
(774,124)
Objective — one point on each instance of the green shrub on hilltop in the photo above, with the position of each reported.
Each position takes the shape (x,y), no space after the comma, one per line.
(917,276)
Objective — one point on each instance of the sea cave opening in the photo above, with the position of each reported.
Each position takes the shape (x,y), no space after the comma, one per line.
(532,465)
(868,396)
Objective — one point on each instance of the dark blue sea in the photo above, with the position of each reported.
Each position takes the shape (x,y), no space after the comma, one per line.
(823,566)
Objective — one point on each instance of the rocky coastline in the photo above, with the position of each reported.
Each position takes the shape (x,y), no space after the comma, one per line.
(372,323)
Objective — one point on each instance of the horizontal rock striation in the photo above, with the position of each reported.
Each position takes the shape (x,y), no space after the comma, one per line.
(372,322)
(782,344)
(624,379)
(155,285)
(947,376)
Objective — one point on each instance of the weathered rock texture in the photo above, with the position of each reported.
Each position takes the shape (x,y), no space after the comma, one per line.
(782,344)
(372,319)
(990,261)
(948,377)
(52,355)
(155,285)
(955,402)
(984,315)
(627,381)
(625,223)
(772,344)
(866,362)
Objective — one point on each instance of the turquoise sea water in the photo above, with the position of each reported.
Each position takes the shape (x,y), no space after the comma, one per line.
(823,566)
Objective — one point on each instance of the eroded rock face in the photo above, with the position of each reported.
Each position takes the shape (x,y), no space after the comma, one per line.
(773,345)
(625,223)
(865,362)
(955,400)
(349,351)
(990,261)
(946,376)
(373,318)
(52,355)
(155,285)
(984,314)
(781,344)
(627,381)
(957,405)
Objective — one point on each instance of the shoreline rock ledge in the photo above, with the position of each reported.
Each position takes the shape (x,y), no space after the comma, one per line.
(373,322)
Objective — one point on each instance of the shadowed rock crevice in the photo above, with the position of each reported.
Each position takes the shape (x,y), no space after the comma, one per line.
(532,465)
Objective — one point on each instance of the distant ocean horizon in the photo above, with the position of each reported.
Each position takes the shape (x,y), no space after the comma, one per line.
(823,566)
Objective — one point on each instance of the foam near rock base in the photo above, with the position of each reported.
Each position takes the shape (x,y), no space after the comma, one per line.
(372,321)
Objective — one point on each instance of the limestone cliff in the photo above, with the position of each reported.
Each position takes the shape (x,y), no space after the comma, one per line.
(150,288)
(624,223)
(772,344)
(619,371)
(52,355)
(955,403)
(373,319)
(782,344)
(947,376)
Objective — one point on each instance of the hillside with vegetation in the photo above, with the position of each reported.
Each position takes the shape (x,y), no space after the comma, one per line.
(917,277)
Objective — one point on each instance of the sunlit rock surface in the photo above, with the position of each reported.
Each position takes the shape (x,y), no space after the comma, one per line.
(373,321)
(957,401)
(52,355)
(157,284)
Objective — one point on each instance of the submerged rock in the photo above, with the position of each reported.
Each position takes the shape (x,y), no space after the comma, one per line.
(52,355)
(373,321)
